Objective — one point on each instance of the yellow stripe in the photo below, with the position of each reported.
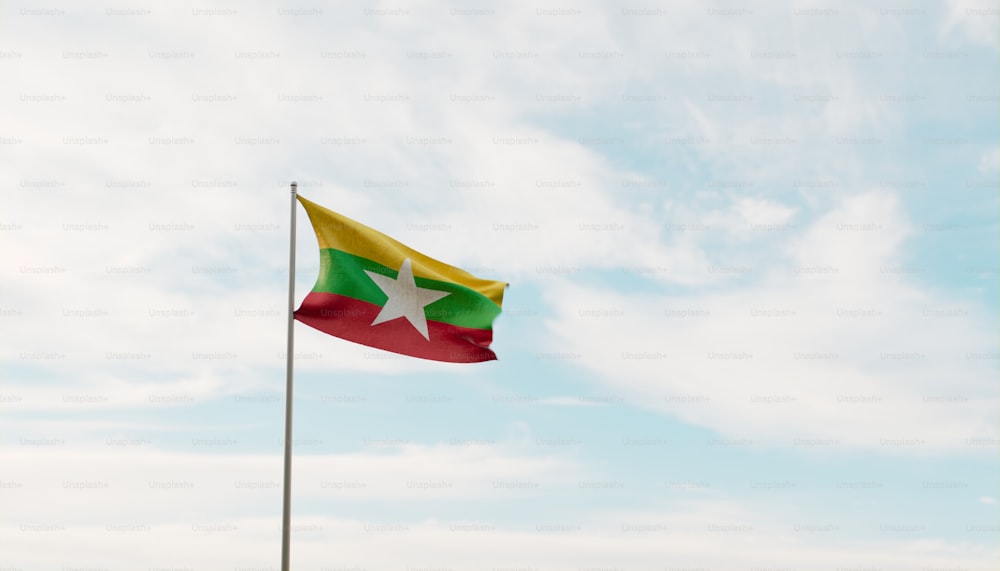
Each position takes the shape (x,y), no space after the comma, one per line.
(337,231)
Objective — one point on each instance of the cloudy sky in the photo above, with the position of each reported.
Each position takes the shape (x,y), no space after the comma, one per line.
(752,319)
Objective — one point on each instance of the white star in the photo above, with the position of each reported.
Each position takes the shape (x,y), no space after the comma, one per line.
(405,298)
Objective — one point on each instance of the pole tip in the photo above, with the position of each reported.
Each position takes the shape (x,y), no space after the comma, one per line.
(295,186)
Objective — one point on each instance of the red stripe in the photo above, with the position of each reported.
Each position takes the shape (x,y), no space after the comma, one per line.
(351,319)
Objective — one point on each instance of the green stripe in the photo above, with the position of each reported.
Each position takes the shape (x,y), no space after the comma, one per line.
(344,274)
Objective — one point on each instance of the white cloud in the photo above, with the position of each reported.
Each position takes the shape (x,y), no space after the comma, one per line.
(834,345)
(195,232)
(708,534)
(974,19)
(568,401)
(749,218)
(989,161)
(231,483)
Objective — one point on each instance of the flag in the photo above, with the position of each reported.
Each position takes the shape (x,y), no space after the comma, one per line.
(378,292)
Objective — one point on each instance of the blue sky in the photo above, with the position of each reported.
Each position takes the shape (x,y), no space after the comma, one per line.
(752,320)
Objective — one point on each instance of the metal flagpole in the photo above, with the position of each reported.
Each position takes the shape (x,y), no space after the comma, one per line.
(286,508)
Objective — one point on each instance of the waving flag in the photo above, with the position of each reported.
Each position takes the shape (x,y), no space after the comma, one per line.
(378,292)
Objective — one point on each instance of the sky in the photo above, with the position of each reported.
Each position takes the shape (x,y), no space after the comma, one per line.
(751,322)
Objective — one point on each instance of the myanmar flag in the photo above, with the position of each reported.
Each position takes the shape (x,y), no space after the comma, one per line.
(375,291)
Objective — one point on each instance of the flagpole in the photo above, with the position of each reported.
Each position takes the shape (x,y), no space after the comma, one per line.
(286,507)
